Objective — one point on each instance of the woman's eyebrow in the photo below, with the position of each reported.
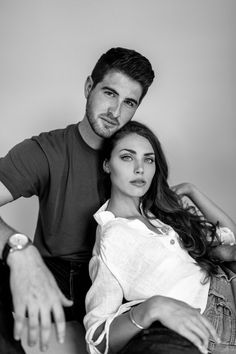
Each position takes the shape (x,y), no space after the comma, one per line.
(134,152)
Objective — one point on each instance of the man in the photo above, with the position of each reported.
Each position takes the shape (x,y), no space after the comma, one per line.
(61,168)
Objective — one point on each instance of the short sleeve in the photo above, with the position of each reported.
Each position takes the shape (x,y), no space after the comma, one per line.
(24,170)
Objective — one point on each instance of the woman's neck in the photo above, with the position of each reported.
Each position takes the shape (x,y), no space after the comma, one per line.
(124,207)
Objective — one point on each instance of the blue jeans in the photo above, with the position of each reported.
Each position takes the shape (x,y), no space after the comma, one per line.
(72,278)
(158,339)
(220,311)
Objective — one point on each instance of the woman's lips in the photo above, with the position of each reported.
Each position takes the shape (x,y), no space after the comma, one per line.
(138,182)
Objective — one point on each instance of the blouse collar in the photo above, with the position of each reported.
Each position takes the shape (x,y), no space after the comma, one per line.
(102,216)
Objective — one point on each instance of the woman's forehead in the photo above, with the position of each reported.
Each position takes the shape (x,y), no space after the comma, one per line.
(134,141)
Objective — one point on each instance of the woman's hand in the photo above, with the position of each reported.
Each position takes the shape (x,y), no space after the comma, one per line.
(224,253)
(183,189)
(178,316)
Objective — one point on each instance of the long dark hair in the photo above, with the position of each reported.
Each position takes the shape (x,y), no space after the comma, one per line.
(196,233)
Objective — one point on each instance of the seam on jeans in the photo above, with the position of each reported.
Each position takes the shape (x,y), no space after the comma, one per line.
(71,285)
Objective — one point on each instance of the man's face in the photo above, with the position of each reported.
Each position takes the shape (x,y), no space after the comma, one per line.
(111,103)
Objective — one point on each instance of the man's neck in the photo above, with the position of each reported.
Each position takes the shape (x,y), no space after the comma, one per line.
(88,135)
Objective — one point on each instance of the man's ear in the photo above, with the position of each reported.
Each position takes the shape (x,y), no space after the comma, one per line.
(106,167)
(88,86)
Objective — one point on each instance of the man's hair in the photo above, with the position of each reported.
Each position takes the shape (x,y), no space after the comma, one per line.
(128,62)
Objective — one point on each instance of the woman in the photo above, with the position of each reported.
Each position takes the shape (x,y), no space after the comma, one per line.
(155,288)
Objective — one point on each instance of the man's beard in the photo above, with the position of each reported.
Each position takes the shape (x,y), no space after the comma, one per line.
(101,130)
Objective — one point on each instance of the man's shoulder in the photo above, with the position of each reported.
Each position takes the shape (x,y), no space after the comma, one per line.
(60,133)
(57,138)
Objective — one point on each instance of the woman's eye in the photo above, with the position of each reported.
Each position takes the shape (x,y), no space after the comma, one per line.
(126,158)
(149,160)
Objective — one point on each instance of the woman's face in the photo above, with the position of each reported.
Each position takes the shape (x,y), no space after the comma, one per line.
(131,166)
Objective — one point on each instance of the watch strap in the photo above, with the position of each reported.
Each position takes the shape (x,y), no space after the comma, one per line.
(5,252)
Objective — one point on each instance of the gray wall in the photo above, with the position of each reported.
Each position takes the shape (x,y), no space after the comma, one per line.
(48,47)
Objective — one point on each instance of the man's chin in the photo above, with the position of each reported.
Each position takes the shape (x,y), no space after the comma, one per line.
(107,132)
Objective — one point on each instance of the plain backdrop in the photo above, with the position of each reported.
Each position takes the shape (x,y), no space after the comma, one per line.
(49,47)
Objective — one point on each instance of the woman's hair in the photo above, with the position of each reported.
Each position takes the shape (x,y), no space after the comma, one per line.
(196,233)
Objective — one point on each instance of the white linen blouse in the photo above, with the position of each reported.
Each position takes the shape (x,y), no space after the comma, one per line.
(132,262)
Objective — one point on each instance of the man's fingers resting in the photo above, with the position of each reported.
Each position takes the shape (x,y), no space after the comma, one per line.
(45,329)
(59,319)
(33,327)
(19,321)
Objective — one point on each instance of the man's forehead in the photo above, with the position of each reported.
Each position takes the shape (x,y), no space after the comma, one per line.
(119,80)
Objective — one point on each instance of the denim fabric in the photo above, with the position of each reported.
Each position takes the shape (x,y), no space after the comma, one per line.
(73,280)
(221,311)
(158,339)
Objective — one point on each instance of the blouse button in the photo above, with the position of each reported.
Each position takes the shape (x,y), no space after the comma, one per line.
(172,242)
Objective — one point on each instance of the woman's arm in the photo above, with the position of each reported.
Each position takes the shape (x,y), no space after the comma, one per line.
(207,207)
(213,213)
(108,319)
(103,306)
(174,314)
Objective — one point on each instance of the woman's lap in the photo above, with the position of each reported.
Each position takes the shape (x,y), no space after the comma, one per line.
(159,340)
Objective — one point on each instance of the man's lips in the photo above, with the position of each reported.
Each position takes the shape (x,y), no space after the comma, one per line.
(111,121)
(138,182)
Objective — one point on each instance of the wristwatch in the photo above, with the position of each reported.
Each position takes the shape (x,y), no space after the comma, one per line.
(16,242)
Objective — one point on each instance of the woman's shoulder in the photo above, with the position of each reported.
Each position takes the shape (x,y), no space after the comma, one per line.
(116,228)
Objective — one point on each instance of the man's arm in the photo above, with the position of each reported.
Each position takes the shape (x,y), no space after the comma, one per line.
(33,287)
(5,230)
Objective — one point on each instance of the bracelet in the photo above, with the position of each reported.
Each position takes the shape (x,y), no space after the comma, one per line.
(131,317)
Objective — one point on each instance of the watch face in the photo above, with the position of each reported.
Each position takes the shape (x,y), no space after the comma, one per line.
(18,240)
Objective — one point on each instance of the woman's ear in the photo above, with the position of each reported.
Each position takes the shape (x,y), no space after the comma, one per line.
(106,167)
(88,86)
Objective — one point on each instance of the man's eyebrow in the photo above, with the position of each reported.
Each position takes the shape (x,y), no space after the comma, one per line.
(116,93)
(134,152)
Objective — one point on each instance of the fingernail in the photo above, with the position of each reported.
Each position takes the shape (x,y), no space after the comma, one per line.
(203,349)
(61,340)
(218,340)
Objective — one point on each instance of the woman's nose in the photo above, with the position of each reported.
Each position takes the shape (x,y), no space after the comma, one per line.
(139,169)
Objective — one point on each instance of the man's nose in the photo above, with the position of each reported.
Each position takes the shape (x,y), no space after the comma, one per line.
(114,110)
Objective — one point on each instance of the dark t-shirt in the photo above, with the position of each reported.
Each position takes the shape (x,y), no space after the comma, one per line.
(62,170)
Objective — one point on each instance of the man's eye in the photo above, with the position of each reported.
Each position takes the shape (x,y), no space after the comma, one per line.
(109,93)
(126,158)
(130,104)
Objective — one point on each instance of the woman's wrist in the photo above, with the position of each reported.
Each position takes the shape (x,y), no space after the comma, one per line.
(142,314)
(133,320)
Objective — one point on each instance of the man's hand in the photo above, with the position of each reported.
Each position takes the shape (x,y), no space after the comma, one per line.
(36,295)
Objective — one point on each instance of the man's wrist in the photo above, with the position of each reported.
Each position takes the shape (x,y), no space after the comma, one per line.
(16,242)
